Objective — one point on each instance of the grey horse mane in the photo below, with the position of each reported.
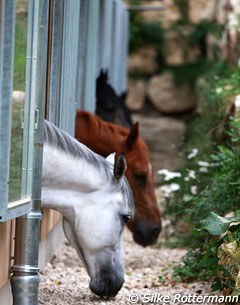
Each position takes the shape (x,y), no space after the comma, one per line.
(61,140)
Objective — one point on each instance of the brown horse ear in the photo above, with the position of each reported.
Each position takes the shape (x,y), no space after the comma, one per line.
(133,135)
(120,166)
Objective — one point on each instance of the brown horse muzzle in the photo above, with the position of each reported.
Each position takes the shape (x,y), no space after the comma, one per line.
(145,234)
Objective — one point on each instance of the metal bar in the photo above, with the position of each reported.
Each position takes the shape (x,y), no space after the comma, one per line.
(7,29)
(55,61)
(69,65)
(90,73)
(145,8)
(124,71)
(18,208)
(104,35)
(25,278)
(114,72)
(81,54)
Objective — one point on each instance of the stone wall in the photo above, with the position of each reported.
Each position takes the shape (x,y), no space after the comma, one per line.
(158,85)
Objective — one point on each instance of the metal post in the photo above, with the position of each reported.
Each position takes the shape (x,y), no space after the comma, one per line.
(25,278)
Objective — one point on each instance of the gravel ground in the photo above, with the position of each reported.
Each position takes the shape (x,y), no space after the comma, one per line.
(65,281)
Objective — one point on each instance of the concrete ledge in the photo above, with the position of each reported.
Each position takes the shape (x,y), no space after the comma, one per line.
(54,239)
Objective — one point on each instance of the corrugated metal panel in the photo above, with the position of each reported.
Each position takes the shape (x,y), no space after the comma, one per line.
(117,55)
(104,35)
(55,61)
(124,71)
(81,54)
(63,87)
(69,65)
(101,46)
(90,70)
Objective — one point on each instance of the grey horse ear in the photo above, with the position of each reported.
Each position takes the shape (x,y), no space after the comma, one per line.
(111,158)
(120,166)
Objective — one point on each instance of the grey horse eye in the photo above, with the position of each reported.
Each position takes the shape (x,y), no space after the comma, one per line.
(126,218)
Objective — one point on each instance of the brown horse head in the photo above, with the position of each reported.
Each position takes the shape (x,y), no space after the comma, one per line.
(146,225)
(105,138)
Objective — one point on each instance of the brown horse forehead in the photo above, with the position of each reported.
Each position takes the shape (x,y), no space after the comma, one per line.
(136,164)
(139,151)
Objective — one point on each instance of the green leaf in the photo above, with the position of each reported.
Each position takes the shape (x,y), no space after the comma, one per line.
(236,217)
(215,224)
(236,292)
(216,285)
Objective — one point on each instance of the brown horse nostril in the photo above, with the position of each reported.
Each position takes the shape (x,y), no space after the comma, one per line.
(146,235)
(155,232)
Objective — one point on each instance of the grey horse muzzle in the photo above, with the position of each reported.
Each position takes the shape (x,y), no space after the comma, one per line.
(107,283)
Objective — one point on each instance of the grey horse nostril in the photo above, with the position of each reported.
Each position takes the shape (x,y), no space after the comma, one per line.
(106,286)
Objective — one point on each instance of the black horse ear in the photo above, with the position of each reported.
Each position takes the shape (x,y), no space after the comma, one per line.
(120,166)
(106,75)
(103,75)
(123,95)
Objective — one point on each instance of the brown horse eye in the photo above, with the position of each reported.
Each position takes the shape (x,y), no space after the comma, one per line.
(126,218)
(140,178)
